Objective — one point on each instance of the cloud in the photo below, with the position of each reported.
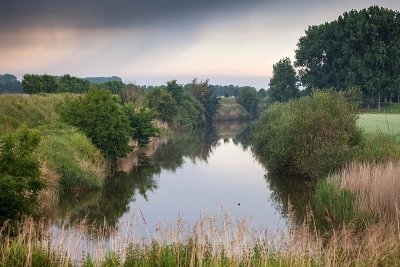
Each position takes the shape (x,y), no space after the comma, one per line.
(19,14)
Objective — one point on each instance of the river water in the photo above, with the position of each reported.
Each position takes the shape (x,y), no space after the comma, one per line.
(212,173)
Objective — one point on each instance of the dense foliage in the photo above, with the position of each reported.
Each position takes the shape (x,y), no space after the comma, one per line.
(101,117)
(283,84)
(249,99)
(184,107)
(142,123)
(9,84)
(311,136)
(205,95)
(20,180)
(360,48)
(34,83)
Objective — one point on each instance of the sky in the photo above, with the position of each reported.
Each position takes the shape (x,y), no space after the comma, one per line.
(150,42)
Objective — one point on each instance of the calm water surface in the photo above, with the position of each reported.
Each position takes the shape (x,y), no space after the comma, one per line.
(211,172)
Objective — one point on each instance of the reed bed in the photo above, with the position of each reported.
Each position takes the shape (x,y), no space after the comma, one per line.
(212,241)
(376,185)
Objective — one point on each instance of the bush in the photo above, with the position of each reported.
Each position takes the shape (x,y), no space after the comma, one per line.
(20,181)
(101,117)
(311,136)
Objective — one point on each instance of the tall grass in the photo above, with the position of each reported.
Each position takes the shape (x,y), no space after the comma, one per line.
(208,243)
(66,154)
(74,158)
(28,110)
(377,187)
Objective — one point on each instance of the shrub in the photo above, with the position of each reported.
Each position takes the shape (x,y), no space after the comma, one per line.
(101,117)
(311,136)
(20,181)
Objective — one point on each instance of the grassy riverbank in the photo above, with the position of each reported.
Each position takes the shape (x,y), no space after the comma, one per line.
(231,110)
(64,152)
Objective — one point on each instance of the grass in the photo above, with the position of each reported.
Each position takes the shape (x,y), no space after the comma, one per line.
(376,186)
(230,110)
(66,154)
(70,153)
(209,243)
(385,123)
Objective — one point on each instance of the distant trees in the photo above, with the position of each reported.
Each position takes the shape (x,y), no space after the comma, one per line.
(205,95)
(20,181)
(248,98)
(360,48)
(162,101)
(33,83)
(68,83)
(283,84)
(9,84)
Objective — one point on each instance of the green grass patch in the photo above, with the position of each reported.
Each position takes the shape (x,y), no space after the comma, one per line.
(333,204)
(386,123)
(71,154)
(28,110)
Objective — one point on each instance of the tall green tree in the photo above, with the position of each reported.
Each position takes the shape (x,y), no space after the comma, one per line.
(283,85)
(205,95)
(360,48)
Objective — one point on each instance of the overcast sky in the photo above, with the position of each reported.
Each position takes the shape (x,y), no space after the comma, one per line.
(150,42)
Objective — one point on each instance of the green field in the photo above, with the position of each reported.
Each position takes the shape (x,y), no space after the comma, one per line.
(386,123)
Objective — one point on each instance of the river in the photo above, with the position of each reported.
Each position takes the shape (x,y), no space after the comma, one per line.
(175,181)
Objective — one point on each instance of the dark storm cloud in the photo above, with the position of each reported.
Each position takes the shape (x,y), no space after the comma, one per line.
(19,14)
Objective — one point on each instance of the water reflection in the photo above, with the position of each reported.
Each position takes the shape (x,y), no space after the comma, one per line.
(138,174)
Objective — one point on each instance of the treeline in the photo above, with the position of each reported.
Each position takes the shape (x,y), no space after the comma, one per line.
(33,83)
(9,84)
(359,49)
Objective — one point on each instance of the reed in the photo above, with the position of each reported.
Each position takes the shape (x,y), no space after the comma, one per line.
(377,186)
(212,241)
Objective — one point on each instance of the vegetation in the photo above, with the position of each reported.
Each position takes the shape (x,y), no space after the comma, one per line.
(77,162)
(360,48)
(283,85)
(9,84)
(141,122)
(68,154)
(249,99)
(311,136)
(20,180)
(230,110)
(101,117)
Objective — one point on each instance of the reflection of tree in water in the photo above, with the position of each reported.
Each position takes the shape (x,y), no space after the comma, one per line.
(122,187)
(297,190)
(243,138)
(113,201)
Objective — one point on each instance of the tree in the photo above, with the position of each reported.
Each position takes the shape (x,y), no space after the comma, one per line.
(161,100)
(141,122)
(20,181)
(311,136)
(72,84)
(9,84)
(360,48)
(283,84)
(32,83)
(205,95)
(101,117)
(248,98)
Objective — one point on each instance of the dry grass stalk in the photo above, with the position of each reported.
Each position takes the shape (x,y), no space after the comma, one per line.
(377,187)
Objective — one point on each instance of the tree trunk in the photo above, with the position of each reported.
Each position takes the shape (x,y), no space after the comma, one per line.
(379,102)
